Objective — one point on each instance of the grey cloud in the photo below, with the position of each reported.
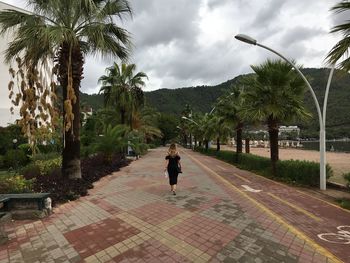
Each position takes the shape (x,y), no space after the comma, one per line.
(300,33)
(268,13)
(212,4)
(165,22)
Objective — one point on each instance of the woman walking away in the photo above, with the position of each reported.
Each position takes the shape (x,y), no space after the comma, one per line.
(173,165)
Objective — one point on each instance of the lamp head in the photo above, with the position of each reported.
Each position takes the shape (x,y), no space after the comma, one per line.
(246,39)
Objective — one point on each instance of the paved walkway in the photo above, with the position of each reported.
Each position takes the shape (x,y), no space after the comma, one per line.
(218,215)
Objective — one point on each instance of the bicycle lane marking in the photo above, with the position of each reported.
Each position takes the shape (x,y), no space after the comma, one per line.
(342,237)
(263,198)
(278,218)
(291,191)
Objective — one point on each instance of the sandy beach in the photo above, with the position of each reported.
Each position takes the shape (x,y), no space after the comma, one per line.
(340,162)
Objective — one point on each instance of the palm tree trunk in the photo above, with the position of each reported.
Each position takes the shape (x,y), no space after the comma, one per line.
(239,143)
(122,116)
(71,152)
(273,135)
(217,144)
(247,145)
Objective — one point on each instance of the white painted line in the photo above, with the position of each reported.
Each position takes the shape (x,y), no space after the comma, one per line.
(247,188)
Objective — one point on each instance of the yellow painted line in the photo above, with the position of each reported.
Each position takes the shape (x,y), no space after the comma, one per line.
(279,219)
(222,168)
(327,202)
(241,177)
(296,208)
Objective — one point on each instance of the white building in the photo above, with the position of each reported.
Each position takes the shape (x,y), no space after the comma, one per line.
(5,103)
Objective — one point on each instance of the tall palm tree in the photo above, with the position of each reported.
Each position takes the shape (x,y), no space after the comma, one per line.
(122,88)
(229,108)
(275,96)
(342,47)
(66,31)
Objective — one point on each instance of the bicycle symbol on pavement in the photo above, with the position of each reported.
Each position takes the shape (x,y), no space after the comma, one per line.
(342,237)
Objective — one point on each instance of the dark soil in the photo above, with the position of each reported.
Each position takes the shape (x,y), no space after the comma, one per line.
(63,189)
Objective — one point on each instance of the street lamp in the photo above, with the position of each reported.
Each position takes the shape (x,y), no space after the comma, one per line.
(213,109)
(185,118)
(321,117)
(14,141)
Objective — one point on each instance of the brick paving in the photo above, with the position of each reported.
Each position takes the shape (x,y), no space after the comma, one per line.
(131,216)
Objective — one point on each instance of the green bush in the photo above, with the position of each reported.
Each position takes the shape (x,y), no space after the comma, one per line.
(293,171)
(347,178)
(301,172)
(45,156)
(30,171)
(15,159)
(14,184)
(41,167)
(25,147)
(46,166)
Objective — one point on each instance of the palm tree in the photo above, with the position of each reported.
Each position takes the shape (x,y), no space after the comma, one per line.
(275,95)
(342,47)
(123,89)
(66,31)
(229,108)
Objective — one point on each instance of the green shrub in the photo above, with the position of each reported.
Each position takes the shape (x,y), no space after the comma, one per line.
(347,178)
(294,171)
(13,184)
(46,166)
(25,147)
(1,161)
(30,171)
(301,172)
(45,156)
(15,159)
(41,167)
(49,148)
(344,203)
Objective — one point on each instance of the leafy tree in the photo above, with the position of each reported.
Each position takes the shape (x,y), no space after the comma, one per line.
(275,96)
(167,125)
(229,107)
(66,31)
(122,88)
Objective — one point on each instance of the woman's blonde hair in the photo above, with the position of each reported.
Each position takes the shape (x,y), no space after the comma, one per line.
(172,150)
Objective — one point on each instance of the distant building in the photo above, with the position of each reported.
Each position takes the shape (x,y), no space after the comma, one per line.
(289,129)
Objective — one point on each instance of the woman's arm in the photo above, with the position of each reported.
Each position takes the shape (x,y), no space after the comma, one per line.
(166,164)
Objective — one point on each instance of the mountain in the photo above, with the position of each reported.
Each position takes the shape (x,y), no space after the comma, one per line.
(201,98)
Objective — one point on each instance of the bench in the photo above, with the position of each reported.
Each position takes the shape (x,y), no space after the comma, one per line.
(24,206)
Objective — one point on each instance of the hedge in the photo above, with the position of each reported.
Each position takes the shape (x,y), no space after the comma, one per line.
(294,171)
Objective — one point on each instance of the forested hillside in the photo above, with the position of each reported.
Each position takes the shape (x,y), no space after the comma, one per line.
(201,99)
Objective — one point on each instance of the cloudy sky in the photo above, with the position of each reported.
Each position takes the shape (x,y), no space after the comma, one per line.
(181,43)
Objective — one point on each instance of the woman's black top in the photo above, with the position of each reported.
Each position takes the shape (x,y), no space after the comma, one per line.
(173,164)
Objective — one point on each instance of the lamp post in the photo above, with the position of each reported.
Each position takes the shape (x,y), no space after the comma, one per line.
(321,117)
(213,109)
(14,141)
